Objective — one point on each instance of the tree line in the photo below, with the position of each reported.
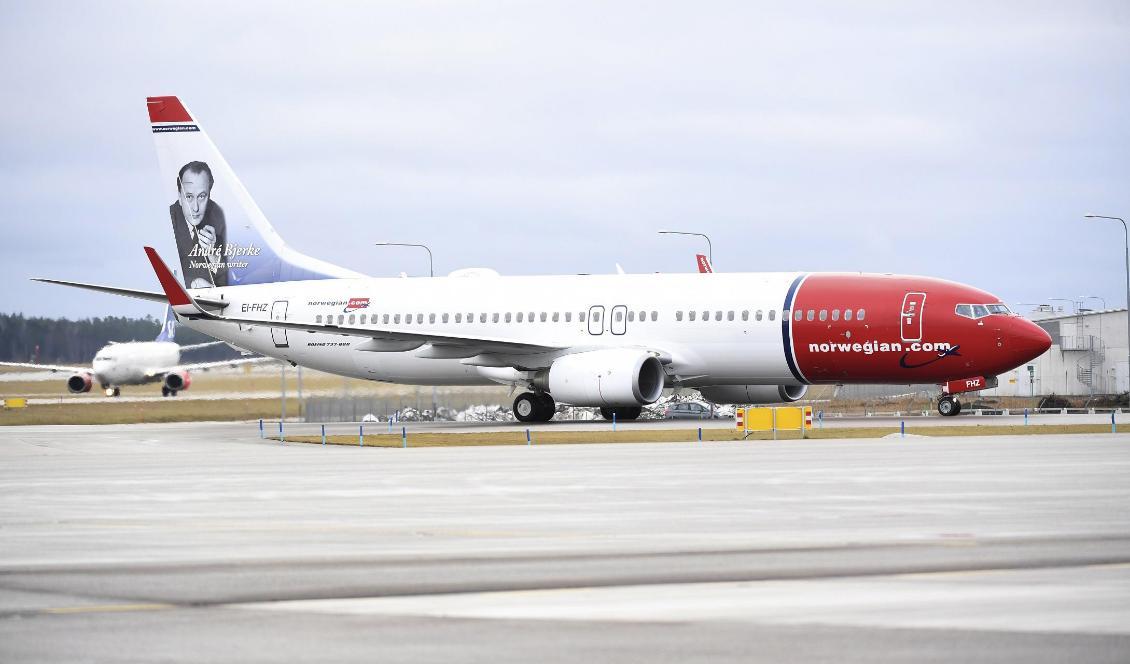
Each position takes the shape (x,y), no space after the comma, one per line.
(63,341)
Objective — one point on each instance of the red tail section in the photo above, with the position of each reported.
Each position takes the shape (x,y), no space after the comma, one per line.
(177,295)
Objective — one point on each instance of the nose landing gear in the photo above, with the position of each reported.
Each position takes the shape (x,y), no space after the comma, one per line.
(949,406)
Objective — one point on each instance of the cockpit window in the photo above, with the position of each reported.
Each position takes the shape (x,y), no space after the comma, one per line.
(980,310)
(965,310)
(998,309)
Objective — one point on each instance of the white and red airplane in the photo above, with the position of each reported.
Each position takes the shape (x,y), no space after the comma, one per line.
(137,363)
(612,341)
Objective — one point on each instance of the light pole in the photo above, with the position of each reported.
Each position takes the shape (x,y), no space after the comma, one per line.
(1126,246)
(709,247)
(431,267)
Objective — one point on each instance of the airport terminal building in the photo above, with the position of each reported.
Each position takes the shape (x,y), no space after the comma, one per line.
(1088,356)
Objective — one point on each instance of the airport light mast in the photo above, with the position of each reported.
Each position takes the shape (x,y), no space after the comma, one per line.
(1126,246)
(431,265)
(709,247)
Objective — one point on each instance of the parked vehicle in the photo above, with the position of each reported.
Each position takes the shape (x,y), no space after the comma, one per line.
(688,410)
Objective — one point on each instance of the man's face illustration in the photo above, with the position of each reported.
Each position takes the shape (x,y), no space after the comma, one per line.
(194,190)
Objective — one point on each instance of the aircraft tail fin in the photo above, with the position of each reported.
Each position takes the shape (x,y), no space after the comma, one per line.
(222,237)
(168,326)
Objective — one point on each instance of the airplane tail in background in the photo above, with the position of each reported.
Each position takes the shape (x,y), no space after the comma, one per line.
(168,326)
(222,237)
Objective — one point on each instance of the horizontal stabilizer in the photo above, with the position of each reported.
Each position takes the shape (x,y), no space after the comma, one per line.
(152,296)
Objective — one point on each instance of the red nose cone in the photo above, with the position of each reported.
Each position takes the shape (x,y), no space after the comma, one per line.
(1029,341)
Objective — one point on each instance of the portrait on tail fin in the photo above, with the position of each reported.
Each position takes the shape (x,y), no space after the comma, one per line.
(199,228)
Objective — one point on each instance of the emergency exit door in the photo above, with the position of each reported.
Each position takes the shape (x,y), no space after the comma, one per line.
(278,334)
(912,306)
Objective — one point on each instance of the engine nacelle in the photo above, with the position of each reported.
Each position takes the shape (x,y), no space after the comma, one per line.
(79,383)
(611,377)
(743,394)
(177,381)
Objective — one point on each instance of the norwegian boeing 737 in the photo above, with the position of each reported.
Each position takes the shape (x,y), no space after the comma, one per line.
(612,341)
(137,363)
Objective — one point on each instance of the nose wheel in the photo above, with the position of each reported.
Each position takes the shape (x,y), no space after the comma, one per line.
(534,407)
(948,406)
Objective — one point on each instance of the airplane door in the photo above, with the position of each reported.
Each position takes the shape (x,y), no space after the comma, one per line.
(619,322)
(278,334)
(911,324)
(596,319)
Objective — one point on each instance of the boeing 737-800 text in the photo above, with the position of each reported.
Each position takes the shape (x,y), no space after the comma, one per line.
(613,341)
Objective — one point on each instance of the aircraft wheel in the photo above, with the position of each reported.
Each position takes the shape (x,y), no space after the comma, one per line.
(948,407)
(527,407)
(957,402)
(117,391)
(172,393)
(164,391)
(606,413)
(622,413)
(547,407)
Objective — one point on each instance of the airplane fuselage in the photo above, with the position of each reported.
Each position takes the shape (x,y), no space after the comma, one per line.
(133,363)
(712,329)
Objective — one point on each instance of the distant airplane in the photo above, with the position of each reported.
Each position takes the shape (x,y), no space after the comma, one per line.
(611,341)
(704,265)
(138,363)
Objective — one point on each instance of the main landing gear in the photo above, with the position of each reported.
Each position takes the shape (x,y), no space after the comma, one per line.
(166,392)
(534,407)
(113,391)
(622,413)
(949,406)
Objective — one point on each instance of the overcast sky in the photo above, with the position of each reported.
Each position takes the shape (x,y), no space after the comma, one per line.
(956,140)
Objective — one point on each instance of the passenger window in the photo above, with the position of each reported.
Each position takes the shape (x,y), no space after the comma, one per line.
(979,311)
(835,314)
(678,315)
(543,316)
(860,314)
(758,315)
(341,319)
(507,316)
(654,316)
(385,318)
(431,319)
(717,315)
(798,314)
(521,317)
(745,315)
(556,316)
(596,316)
(823,315)
(408,319)
(847,314)
(494,318)
(581,317)
(811,314)
(729,315)
(458,318)
(772,314)
(482,318)
(318,318)
(964,310)
(363,319)
(397,319)
(619,315)
(692,315)
(631,316)
(568,316)
(419,318)
(445,318)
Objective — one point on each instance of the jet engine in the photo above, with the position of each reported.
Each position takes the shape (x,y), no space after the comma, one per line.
(742,394)
(79,383)
(177,381)
(611,377)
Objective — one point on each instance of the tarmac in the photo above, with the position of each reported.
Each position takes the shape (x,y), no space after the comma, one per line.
(201,542)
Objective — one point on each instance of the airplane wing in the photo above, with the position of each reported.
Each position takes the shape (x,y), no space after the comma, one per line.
(45,367)
(129,292)
(199,366)
(204,345)
(186,305)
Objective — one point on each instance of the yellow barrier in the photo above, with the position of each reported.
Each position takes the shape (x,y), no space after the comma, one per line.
(780,418)
(15,402)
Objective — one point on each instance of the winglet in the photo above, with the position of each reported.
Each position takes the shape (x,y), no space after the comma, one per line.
(173,290)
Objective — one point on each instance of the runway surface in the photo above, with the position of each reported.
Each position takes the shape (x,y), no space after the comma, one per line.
(187,543)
